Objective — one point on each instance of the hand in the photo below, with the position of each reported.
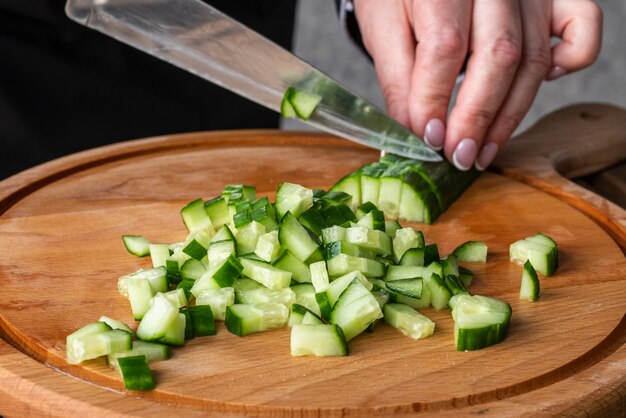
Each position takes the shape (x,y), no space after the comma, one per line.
(419,46)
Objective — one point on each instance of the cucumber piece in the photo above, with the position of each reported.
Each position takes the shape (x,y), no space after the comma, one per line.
(365,208)
(529,288)
(196,244)
(350,184)
(267,247)
(405,272)
(266,274)
(140,295)
(303,103)
(391,188)
(175,333)
(159,253)
(296,314)
(136,245)
(188,328)
(295,238)
(288,262)
(192,269)
(450,265)
(292,198)
(546,240)
(413,257)
(248,237)
(376,241)
(333,234)
(439,293)
(327,299)
(391,227)
(405,239)
(286,109)
(245,319)
(381,296)
(177,297)
(310,318)
(408,321)
(223,234)
(344,264)
(195,217)
(305,296)
(251,292)
(157,319)
(313,220)
(370,181)
(88,345)
(136,373)
(219,251)
(156,277)
(218,300)
(355,309)
(222,275)
(479,322)
(152,351)
(321,340)
(336,248)
(423,302)
(337,197)
(217,210)
(186,285)
(202,321)
(115,324)
(411,288)
(319,276)
(541,256)
(466,276)
(454,285)
(472,252)
(431,253)
(374,219)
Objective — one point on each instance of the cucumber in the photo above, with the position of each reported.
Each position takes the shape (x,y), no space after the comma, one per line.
(175,333)
(218,300)
(333,249)
(350,184)
(305,296)
(292,198)
(267,247)
(288,262)
(136,245)
(245,319)
(471,251)
(543,257)
(370,181)
(319,276)
(115,324)
(140,295)
(192,269)
(321,340)
(300,103)
(248,237)
(344,264)
(355,309)
(411,288)
(365,208)
(251,292)
(159,253)
(195,217)
(374,219)
(202,321)
(217,210)
(413,257)
(405,239)
(529,288)
(152,351)
(157,320)
(295,238)
(136,373)
(479,322)
(222,275)
(376,241)
(408,321)
(269,276)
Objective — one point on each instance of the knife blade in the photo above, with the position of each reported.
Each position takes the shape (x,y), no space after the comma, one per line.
(200,39)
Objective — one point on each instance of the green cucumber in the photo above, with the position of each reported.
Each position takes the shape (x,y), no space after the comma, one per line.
(136,245)
(408,321)
(529,288)
(245,319)
(136,373)
(471,251)
(479,322)
(218,300)
(321,340)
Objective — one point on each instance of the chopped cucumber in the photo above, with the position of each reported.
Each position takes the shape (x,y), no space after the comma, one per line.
(136,245)
(136,373)
(319,340)
(479,322)
(152,351)
(218,300)
(471,251)
(408,321)
(244,319)
(529,288)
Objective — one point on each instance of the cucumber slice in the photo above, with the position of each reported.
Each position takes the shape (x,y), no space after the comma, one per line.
(251,292)
(222,275)
(479,322)
(542,257)
(408,321)
(321,340)
(319,276)
(529,288)
(244,319)
(266,274)
(292,198)
(136,245)
(370,181)
(195,217)
(175,333)
(88,345)
(376,241)
(218,300)
(350,184)
(136,373)
(152,351)
(159,253)
(303,103)
(305,296)
(219,251)
(248,237)
(344,264)
(115,324)
(267,247)
(157,320)
(471,251)
(374,219)
(288,262)
(202,321)
(355,309)
(295,238)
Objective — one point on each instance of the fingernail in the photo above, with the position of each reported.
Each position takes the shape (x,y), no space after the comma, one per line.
(435,133)
(465,154)
(556,72)
(486,156)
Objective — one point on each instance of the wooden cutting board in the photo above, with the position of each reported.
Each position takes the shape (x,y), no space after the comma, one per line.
(60,228)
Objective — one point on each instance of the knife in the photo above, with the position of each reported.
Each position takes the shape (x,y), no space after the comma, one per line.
(200,39)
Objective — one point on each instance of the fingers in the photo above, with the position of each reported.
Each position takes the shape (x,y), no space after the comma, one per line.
(443,36)
(388,37)
(579,24)
(535,65)
(496,51)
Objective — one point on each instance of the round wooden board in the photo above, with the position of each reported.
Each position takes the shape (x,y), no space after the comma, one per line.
(62,255)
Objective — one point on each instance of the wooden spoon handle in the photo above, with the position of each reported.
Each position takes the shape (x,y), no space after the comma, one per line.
(572,142)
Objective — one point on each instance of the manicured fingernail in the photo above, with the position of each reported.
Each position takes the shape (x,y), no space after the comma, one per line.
(465,154)
(435,133)
(556,72)
(486,156)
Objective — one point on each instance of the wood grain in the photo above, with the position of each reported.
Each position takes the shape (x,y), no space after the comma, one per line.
(60,225)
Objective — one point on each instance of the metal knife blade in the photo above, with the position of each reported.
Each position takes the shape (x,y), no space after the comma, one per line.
(200,39)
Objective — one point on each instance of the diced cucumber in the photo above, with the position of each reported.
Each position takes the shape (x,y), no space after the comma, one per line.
(336,248)
(374,219)
(439,292)
(159,253)
(74,348)
(196,244)
(370,181)
(350,184)
(541,256)
(224,233)
(529,288)
(136,245)
(411,288)
(431,253)
(139,294)
(479,322)
(219,251)
(157,319)
(266,274)
(377,241)
(318,340)
(248,237)
(355,309)
(295,238)
(303,103)
(471,251)
(405,239)
(136,373)
(177,297)
(292,198)
(344,264)
(222,275)
(365,208)
(423,302)
(192,269)
(217,210)
(466,276)
(252,292)
(195,217)
(413,257)
(405,272)
(333,234)
(310,318)
(175,333)
(319,276)
(245,319)
(88,345)
(408,321)
(115,324)
(288,262)
(267,247)
(305,296)
(202,321)
(152,351)
(218,300)
(391,227)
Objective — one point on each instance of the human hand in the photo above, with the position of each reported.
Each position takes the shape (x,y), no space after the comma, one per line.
(419,47)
